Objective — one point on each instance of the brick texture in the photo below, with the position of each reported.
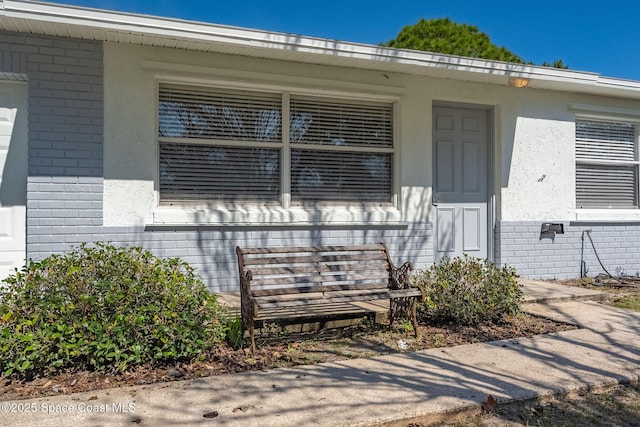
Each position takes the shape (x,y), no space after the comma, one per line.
(211,250)
(64,184)
(521,245)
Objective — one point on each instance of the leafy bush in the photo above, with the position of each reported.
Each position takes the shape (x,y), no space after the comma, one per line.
(102,307)
(468,291)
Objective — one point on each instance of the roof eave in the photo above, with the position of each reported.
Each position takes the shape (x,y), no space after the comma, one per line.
(73,21)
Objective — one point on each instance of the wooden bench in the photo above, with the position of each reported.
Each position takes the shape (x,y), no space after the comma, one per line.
(282,278)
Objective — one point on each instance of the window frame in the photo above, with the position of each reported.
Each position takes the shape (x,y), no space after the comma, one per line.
(285,146)
(222,142)
(610,162)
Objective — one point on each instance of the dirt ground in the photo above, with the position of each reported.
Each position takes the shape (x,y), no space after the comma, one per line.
(279,350)
(614,288)
(617,406)
(614,406)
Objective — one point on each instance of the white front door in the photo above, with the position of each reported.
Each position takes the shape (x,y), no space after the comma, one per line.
(13,176)
(460,196)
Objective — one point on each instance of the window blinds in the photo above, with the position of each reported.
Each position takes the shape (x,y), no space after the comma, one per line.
(218,145)
(341,151)
(194,112)
(606,164)
(208,173)
(340,123)
(340,176)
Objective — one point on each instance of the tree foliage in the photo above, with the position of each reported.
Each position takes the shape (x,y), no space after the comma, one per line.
(557,63)
(445,36)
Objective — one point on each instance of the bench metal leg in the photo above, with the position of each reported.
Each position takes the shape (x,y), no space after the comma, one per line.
(406,307)
(414,318)
(253,341)
(391,312)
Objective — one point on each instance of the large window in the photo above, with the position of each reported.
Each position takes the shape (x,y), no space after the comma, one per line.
(218,145)
(340,151)
(240,146)
(606,164)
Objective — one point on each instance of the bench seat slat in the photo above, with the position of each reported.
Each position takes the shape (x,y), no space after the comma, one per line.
(313,311)
(258,282)
(270,304)
(310,289)
(319,268)
(293,249)
(308,259)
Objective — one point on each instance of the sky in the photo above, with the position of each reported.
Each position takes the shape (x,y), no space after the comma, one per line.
(595,36)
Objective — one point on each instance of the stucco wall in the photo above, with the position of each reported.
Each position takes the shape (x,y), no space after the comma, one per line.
(533,130)
(539,170)
(534,162)
(205,236)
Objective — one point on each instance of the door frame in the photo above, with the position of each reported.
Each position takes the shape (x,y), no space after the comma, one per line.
(22,96)
(491,162)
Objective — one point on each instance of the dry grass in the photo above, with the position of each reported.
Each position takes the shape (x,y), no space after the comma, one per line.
(617,405)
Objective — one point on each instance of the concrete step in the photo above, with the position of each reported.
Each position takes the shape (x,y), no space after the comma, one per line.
(541,292)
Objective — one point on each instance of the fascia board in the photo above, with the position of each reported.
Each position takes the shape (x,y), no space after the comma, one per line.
(108,21)
(179,29)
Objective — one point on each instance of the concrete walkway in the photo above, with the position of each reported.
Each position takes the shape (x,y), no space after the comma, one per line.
(388,389)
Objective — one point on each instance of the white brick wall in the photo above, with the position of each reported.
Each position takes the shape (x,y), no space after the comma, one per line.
(519,244)
(212,250)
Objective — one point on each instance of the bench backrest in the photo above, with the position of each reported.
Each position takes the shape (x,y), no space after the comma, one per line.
(289,270)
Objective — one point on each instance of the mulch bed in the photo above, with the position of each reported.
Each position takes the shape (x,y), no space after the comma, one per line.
(290,350)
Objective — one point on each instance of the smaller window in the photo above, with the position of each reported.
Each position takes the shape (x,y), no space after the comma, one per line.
(606,164)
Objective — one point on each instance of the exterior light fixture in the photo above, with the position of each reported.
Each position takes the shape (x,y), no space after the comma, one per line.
(518,82)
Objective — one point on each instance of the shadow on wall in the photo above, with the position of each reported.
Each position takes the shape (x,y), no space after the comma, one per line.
(233,177)
(522,104)
(215,244)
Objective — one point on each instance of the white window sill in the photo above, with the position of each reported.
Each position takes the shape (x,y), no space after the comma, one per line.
(276,216)
(608,215)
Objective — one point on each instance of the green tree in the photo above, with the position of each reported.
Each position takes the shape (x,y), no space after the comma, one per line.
(445,36)
(557,63)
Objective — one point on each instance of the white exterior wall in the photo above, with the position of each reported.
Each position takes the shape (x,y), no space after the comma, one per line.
(537,158)
(534,163)
(131,76)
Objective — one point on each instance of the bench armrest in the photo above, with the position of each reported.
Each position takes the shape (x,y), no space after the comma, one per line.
(399,276)
(249,308)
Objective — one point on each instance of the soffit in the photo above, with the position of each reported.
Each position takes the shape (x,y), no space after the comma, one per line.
(92,24)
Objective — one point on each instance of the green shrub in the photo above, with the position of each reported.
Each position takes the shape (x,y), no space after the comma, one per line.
(468,291)
(102,307)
